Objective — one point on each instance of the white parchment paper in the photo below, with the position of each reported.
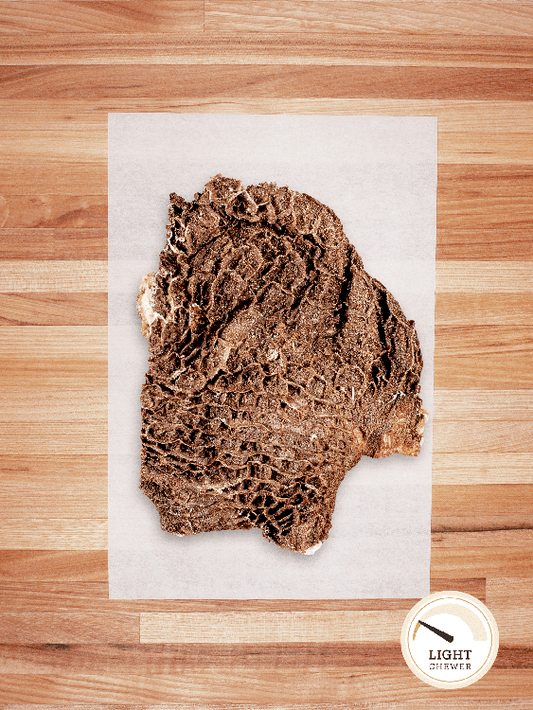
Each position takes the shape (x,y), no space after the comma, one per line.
(379,175)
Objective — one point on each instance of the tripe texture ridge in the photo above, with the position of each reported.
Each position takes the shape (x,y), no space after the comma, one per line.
(276,362)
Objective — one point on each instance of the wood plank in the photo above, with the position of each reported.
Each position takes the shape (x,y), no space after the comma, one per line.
(504,309)
(479,118)
(59,566)
(287,81)
(41,406)
(503,231)
(324,47)
(496,197)
(56,276)
(67,628)
(46,356)
(474,468)
(53,309)
(510,656)
(64,16)
(485,243)
(63,146)
(416,16)
(516,151)
(484,212)
(65,465)
(416,704)
(175,658)
(482,507)
(55,367)
(70,596)
(285,687)
(484,405)
(271,627)
(53,244)
(53,534)
(54,162)
(85,437)
(483,357)
(481,340)
(502,590)
(67,177)
(514,623)
(53,212)
(65,495)
(454,554)
(46,175)
(98,657)
(508,18)
(494,553)
(484,277)
(466,436)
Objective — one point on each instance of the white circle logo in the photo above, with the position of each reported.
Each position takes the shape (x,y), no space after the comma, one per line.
(449,639)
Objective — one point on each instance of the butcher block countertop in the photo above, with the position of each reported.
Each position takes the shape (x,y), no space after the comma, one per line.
(64,66)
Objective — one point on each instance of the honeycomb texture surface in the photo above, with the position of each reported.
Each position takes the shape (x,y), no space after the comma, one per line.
(275,363)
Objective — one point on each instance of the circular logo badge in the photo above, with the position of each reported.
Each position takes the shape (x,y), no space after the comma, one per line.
(449,639)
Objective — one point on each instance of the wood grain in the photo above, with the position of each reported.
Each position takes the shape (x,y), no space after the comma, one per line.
(56,276)
(65,595)
(64,65)
(63,565)
(481,468)
(135,16)
(272,627)
(322,686)
(484,276)
(487,553)
(416,16)
(485,506)
(23,213)
(55,244)
(50,308)
(54,534)
(68,628)
(288,81)
(325,48)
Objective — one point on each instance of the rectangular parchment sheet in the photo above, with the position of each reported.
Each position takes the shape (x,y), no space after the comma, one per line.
(379,175)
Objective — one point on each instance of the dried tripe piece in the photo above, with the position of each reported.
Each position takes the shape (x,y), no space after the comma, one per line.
(276,362)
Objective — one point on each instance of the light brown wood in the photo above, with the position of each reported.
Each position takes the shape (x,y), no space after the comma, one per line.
(268,47)
(417,16)
(322,686)
(70,276)
(272,627)
(49,308)
(64,65)
(481,468)
(23,213)
(98,16)
(162,81)
(53,243)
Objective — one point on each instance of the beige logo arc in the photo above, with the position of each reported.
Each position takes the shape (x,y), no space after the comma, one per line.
(449,639)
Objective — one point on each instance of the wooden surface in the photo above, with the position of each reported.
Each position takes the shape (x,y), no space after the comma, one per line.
(63,66)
